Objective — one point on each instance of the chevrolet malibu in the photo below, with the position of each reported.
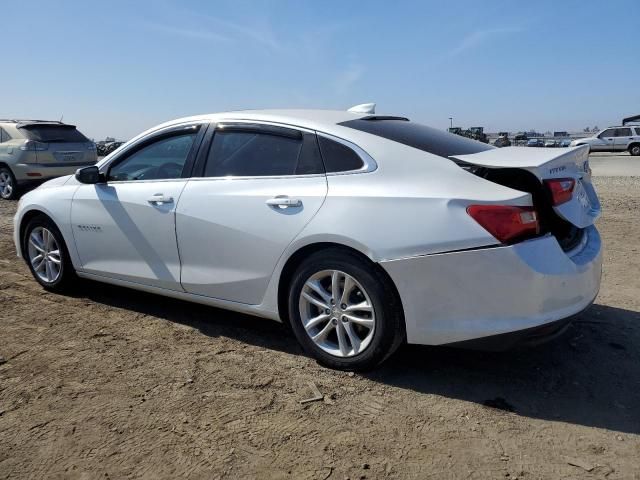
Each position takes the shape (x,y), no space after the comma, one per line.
(359,231)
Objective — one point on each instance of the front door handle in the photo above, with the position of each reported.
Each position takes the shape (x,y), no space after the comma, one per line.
(284,202)
(159,199)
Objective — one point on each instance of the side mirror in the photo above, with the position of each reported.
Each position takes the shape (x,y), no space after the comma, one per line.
(89,175)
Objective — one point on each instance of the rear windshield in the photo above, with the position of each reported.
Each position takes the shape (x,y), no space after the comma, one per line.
(419,136)
(54,133)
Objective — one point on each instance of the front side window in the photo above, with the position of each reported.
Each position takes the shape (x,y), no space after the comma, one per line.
(610,132)
(162,159)
(251,153)
(623,132)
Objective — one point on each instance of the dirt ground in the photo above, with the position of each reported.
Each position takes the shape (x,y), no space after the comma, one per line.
(112,383)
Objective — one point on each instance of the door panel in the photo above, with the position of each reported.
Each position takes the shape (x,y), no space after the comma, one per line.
(127,231)
(231,232)
(605,141)
(623,137)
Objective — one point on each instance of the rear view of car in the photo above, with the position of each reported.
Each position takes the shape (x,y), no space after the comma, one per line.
(33,151)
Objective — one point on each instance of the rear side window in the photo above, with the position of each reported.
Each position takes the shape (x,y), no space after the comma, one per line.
(418,136)
(623,132)
(253,153)
(4,136)
(338,157)
(54,133)
(637,130)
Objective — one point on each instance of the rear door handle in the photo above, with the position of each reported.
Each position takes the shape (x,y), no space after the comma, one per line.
(284,201)
(160,198)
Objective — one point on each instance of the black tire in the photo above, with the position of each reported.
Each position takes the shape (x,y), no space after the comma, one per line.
(14,184)
(67,277)
(389,331)
(634,149)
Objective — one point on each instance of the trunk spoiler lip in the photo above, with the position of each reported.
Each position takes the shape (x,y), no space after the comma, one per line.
(523,157)
(35,124)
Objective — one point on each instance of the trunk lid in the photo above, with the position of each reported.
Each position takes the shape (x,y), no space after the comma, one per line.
(58,143)
(67,154)
(582,209)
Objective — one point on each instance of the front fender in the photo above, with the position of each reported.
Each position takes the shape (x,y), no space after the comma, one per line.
(53,201)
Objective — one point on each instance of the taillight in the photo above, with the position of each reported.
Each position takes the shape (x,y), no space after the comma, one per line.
(507,223)
(561,190)
(33,146)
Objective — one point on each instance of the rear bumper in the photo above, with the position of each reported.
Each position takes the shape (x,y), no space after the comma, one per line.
(38,172)
(461,296)
(528,337)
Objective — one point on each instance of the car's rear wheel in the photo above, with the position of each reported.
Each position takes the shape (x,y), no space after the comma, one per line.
(47,255)
(634,149)
(344,311)
(8,184)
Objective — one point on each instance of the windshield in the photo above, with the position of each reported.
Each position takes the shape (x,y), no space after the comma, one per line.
(54,133)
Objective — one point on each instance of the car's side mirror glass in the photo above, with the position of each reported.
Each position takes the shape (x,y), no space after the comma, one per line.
(89,175)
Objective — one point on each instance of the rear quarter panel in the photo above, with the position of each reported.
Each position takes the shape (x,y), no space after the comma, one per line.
(413,204)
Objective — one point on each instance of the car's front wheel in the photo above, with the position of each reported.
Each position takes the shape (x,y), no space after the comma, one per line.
(47,255)
(344,311)
(8,184)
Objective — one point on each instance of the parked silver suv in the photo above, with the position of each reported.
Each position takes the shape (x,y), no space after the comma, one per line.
(32,151)
(613,139)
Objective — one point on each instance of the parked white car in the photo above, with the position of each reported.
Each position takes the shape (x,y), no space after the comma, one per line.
(613,139)
(360,231)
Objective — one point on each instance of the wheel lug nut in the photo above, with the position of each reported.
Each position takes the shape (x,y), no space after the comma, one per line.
(345,319)
(334,321)
(327,311)
(333,302)
(343,306)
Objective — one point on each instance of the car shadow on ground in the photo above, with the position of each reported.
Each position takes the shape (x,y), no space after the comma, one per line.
(589,376)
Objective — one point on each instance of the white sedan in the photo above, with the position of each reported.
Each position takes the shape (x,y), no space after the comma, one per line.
(360,231)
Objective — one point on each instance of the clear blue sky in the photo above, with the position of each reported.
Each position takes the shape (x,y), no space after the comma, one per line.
(116,68)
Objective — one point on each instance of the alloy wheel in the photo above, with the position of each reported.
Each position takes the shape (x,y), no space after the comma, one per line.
(6,184)
(44,255)
(337,313)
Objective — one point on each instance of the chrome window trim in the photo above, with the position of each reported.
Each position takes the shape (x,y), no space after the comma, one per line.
(368,163)
(163,180)
(259,177)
